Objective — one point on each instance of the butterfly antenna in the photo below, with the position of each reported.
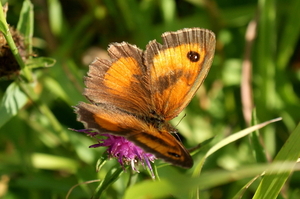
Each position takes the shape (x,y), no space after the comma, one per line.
(180,120)
(177,136)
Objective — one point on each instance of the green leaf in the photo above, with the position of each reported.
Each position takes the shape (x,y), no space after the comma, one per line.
(179,185)
(55,16)
(13,100)
(273,181)
(112,176)
(53,162)
(290,35)
(40,62)
(25,24)
(229,140)
(258,149)
(54,87)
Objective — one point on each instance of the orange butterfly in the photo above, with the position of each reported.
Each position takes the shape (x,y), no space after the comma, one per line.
(137,93)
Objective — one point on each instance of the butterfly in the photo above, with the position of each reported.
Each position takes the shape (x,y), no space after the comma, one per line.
(137,93)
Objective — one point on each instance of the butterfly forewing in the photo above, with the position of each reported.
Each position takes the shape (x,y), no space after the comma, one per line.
(178,67)
(121,82)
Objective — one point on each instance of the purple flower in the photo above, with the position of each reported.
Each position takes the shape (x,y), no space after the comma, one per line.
(118,147)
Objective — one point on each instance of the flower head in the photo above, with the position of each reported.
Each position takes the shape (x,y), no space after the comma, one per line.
(125,151)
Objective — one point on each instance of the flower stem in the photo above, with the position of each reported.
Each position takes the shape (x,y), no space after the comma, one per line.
(110,178)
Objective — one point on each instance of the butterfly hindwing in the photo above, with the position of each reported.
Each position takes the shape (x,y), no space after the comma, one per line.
(159,142)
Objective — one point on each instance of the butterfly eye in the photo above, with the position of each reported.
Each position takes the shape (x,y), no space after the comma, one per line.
(193,56)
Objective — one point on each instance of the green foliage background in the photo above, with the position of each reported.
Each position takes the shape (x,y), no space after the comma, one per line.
(41,158)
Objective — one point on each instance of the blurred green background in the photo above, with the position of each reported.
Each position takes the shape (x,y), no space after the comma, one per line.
(259,40)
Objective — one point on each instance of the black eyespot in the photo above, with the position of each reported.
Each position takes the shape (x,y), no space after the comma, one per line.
(193,56)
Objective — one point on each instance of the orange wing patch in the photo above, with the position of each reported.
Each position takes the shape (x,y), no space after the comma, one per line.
(173,76)
(120,76)
(178,68)
(120,81)
(176,58)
